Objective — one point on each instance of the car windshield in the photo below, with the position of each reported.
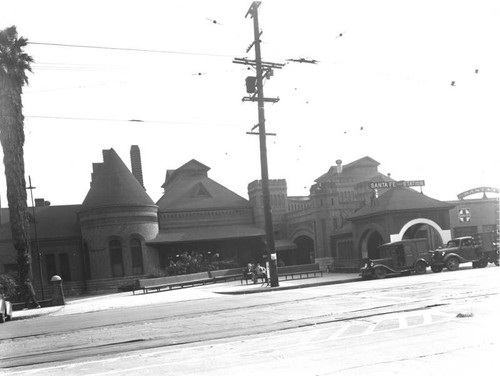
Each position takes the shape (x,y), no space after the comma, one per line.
(452,243)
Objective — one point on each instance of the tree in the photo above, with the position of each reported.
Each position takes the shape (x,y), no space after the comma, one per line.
(13,66)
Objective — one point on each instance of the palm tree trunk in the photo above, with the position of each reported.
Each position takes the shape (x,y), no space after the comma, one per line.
(12,140)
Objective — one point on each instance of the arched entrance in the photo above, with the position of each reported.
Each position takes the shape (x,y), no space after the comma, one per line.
(304,254)
(423,230)
(370,241)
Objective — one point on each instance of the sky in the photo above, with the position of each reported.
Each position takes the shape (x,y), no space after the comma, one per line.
(382,88)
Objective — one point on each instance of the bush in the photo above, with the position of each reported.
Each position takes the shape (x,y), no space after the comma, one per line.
(129,286)
(188,264)
(8,286)
(225,264)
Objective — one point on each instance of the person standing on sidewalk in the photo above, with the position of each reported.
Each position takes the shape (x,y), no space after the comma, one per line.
(30,294)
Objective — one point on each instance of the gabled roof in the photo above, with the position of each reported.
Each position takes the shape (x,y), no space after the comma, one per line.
(189,187)
(114,185)
(400,199)
(193,166)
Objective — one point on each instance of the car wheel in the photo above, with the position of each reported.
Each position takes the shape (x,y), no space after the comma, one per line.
(2,317)
(452,264)
(483,263)
(437,268)
(379,273)
(420,268)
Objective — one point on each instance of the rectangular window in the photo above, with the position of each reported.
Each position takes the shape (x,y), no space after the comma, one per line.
(489,228)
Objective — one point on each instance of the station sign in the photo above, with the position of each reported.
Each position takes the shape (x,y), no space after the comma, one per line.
(394,184)
(477,190)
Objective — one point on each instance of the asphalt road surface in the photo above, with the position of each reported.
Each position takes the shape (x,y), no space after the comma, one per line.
(433,324)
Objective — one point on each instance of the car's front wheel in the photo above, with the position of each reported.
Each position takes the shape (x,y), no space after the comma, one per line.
(437,268)
(452,264)
(420,268)
(379,273)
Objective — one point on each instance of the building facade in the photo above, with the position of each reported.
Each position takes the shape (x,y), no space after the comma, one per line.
(119,233)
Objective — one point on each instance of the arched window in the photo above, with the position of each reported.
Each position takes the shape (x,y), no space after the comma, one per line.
(86,260)
(136,253)
(116,258)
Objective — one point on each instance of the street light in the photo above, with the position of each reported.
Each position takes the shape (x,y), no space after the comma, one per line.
(36,236)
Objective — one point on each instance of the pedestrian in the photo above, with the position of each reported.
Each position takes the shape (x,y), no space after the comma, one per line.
(259,272)
(30,294)
(248,272)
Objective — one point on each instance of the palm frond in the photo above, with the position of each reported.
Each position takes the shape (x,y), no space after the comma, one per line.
(14,62)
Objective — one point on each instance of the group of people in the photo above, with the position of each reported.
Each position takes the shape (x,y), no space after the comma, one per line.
(254,272)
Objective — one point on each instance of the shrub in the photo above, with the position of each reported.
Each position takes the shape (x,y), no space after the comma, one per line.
(129,286)
(8,286)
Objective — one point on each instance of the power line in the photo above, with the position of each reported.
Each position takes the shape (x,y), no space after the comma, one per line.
(125,120)
(127,49)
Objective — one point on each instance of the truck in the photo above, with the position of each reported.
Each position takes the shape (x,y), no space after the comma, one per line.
(400,257)
(480,249)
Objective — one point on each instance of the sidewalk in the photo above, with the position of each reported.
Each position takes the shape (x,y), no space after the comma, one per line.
(86,304)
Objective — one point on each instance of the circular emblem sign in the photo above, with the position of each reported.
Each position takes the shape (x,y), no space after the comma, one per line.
(464,215)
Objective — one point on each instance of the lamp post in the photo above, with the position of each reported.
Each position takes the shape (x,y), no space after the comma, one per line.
(36,236)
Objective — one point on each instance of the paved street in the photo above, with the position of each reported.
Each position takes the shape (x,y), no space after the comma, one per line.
(377,327)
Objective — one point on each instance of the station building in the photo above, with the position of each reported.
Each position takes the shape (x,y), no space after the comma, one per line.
(118,233)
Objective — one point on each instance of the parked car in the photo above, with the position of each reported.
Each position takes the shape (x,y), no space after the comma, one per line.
(479,250)
(401,257)
(5,309)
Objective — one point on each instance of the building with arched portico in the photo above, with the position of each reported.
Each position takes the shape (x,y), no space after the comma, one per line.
(398,214)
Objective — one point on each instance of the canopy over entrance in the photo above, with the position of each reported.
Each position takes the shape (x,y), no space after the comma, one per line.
(203,233)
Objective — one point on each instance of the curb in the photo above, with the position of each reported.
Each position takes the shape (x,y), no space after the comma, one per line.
(35,314)
(271,289)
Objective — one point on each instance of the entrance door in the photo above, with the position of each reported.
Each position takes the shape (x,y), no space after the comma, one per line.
(373,241)
(304,254)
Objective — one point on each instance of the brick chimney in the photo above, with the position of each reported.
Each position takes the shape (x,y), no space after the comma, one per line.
(135,159)
(339,166)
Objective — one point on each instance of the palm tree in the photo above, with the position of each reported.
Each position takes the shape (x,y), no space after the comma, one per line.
(13,66)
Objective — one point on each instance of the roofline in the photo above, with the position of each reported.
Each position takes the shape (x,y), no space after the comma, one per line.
(448,207)
(117,206)
(249,206)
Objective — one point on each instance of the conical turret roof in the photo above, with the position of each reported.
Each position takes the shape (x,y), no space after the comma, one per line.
(114,185)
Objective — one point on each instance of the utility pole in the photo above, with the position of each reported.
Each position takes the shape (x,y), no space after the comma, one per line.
(36,237)
(255,87)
